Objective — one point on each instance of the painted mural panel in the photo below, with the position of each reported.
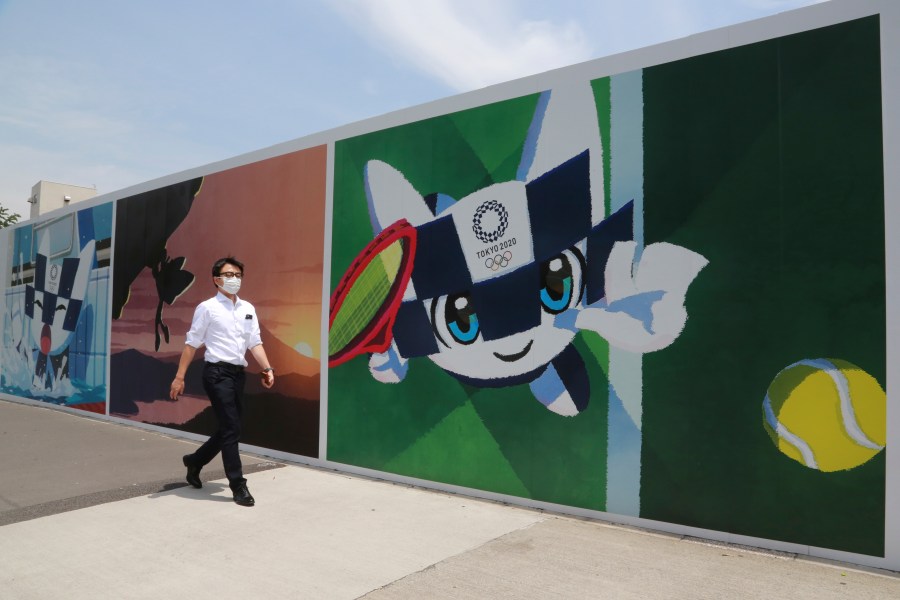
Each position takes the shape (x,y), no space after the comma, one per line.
(55,342)
(773,168)
(634,294)
(268,214)
(432,425)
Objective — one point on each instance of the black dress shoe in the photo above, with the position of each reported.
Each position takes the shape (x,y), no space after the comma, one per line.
(242,496)
(193,473)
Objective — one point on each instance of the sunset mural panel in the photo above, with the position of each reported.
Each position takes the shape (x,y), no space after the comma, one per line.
(270,215)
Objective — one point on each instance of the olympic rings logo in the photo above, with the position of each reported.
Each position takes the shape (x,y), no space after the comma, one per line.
(489,237)
(498,261)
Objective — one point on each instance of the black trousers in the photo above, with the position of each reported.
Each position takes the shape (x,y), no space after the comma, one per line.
(224,384)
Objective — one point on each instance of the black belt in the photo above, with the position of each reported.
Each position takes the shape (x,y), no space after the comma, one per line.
(227,366)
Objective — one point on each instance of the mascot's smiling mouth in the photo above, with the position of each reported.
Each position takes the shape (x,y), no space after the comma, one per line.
(516,356)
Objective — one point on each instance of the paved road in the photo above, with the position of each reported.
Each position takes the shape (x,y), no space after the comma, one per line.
(92,509)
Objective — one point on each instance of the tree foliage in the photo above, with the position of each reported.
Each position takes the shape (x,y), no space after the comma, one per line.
(8,217)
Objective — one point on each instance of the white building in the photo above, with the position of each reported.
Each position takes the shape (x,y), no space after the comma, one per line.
(48,195)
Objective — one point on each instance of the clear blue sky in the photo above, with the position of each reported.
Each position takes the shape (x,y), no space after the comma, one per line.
(111,93)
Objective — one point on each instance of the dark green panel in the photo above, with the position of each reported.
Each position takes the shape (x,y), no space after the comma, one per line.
(766,159)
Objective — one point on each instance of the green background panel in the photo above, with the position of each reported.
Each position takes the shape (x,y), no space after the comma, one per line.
(430,425)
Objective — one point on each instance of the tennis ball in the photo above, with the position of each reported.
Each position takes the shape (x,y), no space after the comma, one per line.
(826,414)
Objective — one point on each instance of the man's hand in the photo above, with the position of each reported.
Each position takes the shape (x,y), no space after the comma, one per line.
(177,388)
(268,378)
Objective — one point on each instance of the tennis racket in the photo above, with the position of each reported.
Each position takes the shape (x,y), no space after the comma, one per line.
(365,302)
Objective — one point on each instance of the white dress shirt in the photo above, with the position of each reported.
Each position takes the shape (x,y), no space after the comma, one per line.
(228,329)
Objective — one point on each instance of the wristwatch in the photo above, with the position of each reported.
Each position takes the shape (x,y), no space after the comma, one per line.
(267,369)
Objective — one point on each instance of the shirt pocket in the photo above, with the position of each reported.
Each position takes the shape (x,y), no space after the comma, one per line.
(247,329)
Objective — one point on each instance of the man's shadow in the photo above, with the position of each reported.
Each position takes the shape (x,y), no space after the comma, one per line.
(210,491)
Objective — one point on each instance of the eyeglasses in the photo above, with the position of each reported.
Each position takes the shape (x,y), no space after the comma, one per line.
(230,274)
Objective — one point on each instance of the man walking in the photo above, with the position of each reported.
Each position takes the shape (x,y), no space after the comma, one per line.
(228,327)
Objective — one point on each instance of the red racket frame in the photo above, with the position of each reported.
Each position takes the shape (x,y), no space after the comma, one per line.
(377,336)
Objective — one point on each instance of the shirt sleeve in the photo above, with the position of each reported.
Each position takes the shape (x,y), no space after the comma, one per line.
(199,323)
(255,338)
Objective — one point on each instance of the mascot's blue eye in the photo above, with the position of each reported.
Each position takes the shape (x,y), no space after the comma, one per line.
(462,322)
(557,284)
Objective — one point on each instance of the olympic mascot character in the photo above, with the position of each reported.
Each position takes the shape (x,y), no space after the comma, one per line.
(505,277)
(54,305)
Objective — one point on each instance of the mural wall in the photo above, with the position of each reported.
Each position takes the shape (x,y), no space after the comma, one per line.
(654,294)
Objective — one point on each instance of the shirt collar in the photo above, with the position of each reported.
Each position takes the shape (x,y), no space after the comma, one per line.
(225,300)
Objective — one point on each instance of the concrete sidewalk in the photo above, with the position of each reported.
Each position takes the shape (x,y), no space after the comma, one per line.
(139,532)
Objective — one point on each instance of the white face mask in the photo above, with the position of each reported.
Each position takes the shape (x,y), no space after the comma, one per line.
(231,285)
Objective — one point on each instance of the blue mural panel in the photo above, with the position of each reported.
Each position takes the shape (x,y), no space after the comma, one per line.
(55,334)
